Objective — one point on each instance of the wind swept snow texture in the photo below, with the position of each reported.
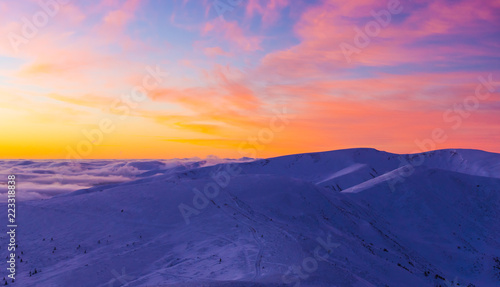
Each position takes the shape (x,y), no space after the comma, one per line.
(322,219)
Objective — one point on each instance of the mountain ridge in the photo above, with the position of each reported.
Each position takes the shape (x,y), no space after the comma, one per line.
(269,224)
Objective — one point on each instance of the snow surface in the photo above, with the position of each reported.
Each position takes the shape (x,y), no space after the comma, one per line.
(375,218)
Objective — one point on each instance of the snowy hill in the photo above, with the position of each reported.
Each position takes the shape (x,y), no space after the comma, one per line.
(357,217)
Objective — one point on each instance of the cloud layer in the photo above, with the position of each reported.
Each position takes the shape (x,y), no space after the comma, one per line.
(42,179)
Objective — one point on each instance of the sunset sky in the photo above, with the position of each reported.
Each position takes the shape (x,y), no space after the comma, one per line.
(169,79)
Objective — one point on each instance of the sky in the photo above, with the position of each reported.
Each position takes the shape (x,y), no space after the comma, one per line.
(249,78)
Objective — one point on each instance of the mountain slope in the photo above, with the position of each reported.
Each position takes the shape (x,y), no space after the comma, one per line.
(325,219)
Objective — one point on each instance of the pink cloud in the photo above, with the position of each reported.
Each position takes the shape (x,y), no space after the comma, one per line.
(119,18)
(215,51)
(269,10)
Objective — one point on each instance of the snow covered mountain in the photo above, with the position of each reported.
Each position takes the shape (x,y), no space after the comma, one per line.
(357,217)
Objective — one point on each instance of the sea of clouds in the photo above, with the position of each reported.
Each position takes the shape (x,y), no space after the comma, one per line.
(42,179)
